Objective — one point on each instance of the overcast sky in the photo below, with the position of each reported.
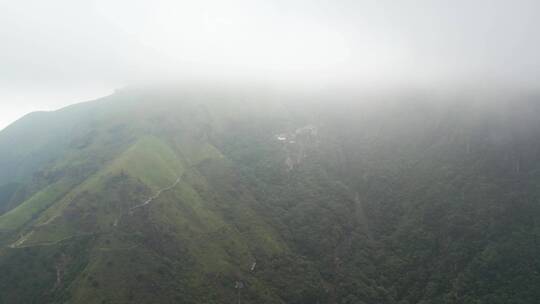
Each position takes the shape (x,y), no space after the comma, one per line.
(57,52)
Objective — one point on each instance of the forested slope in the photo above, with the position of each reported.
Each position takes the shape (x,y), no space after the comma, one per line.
(216,196)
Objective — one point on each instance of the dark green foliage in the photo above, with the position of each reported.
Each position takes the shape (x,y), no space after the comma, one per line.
(41,274)
(7,194)
(384,202)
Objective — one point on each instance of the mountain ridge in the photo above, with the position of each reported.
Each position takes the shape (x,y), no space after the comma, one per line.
(294,200)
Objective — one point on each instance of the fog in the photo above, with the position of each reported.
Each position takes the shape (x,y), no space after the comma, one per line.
(58,52)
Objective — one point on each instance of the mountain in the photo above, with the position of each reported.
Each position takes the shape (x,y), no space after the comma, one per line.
(226,195)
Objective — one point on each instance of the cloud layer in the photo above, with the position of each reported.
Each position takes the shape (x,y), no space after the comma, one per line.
(60,51)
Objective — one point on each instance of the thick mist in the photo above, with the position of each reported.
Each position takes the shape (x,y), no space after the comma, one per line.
(59,52)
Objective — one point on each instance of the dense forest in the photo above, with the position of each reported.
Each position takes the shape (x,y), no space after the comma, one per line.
(257,196)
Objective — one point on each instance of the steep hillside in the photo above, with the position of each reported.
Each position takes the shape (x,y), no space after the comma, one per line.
(224,196)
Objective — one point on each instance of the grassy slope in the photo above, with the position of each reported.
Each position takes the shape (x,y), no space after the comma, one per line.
(435,233)
(188,216)
(26,211)
(192,213)
(148,160)
(183,237)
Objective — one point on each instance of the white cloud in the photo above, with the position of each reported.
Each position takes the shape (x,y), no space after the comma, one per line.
(52,47)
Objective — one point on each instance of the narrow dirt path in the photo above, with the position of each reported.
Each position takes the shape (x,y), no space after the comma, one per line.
(155,196)
(20,242)
(148,201)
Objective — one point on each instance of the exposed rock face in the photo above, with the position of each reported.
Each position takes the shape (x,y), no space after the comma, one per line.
(297,144)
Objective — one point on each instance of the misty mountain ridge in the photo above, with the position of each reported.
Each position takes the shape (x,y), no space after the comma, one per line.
(224,195)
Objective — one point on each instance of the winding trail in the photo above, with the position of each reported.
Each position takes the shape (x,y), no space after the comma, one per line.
(20,242)
(155,196)
(148,201)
